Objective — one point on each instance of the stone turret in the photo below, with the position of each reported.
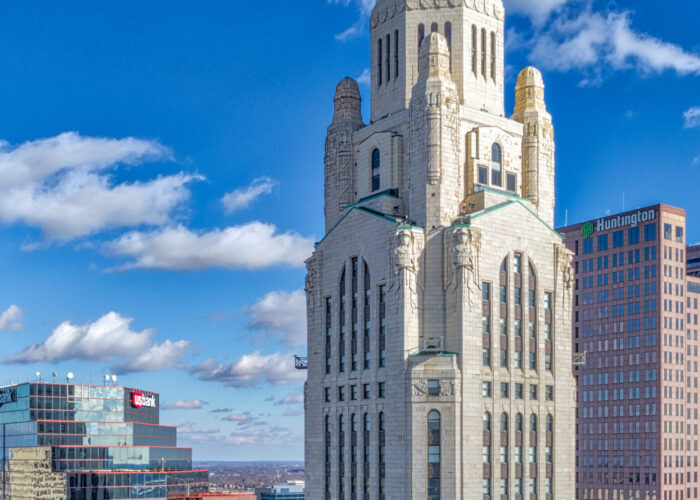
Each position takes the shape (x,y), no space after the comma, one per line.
(538,142)
(339,165)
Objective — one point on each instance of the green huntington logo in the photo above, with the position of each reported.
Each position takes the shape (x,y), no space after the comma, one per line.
(587,229)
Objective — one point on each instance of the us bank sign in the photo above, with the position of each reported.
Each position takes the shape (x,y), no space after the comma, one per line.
(618,221)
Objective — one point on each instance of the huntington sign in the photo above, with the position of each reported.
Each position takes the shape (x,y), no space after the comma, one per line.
(617,221)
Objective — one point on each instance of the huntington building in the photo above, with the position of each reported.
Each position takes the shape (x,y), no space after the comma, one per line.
(440,298)
(85,442)
(636,320)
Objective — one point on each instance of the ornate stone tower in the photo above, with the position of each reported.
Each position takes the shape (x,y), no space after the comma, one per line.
(439,300)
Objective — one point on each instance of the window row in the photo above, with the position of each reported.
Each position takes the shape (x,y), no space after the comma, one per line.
(386,53)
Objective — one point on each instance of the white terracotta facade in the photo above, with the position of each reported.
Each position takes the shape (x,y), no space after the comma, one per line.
(439,301)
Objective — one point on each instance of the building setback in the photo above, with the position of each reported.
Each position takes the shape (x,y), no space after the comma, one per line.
(83,442)
(636,318)
(439,300)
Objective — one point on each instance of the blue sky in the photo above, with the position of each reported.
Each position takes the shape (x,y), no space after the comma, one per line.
(161,180)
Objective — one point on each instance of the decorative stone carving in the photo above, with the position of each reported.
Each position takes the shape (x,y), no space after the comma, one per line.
(387,9)
(311,287)
(564,264)
(407,249)
(464,264)
(420,388)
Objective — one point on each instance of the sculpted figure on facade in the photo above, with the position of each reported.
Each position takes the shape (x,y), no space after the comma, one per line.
(311,286)
(405,265)
(464,268)
(566,269)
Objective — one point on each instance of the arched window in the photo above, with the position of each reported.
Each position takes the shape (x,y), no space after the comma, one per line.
(434,455)
(434,28)
(487,422)
(474,43)
(376,163)
(504,422)
(388,58)
(493,56)
(396,53)
(421,35)
(518,422)
(533,423)
(483,52)
(550,423)
(496,158)
(380,69)
(367,424)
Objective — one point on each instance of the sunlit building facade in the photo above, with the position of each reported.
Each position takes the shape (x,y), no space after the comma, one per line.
(83,442)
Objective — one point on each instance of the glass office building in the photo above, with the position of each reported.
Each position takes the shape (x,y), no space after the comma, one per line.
(87,442)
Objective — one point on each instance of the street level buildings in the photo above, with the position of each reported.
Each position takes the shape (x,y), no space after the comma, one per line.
(440,299)
(636,320)
(84,442)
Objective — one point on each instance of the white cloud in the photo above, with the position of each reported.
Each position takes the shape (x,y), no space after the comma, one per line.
(254,245)
(692,117)
(365,10)
(243,197)
(365,78)
(108,338)
(251,369)
(581,39)
(244,420)
(60,185)
(537,10)
(192,404)
(281,313)
(291,399)
(10,319)
(157,357)
(292,412)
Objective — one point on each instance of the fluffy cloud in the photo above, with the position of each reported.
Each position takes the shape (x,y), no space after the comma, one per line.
(692,117)
(108,338)
(243,197)
(251,369)
(61,186)
(365,78)
(157,357)
(292,399)
(537,10)
(250,436)
(221,410)
(244,420)
(10,319)
(585,40)
(193,404)
(281,313)
(365,9)
(253,245)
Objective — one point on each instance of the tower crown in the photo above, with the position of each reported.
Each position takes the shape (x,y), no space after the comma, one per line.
(529,92)
(434,58)
(347,101)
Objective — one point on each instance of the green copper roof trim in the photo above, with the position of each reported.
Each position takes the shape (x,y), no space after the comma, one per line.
(370,198)
(411,227)
(507,204)
(368,212)
(443,354)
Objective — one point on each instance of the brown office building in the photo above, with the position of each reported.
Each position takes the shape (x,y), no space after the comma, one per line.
(636,320)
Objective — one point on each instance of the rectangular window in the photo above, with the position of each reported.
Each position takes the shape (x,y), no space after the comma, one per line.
(517,263)
(549,393)
(679,234)
(486,356)
(381,386)
(504,390)
(483,175)
(588,245)
(618,239)
(548,301)
(486,389)
(433,387)
(533,392)
(486,292)
(511,182)
(353,393)
(602,242)
(650,232)
(633,235)
(365,391)
(518,391)
(668,232)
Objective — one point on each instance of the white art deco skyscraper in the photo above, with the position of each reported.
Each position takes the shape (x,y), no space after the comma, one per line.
(439,300)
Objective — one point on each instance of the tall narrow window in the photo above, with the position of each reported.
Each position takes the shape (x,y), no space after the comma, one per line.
(483,52)
(366,316)
(421,35)
(486,453)
(474,42)
(328,457)
(376,163)
(341,324)
(365,455)
(388,58)
(434,28)
(448,37)
(434,455)
(341,454)
(496,159)
(396,53)
(493,56)
(353,313)
(382,457)
(382,326)
(486,322)
(329,330)
(380,69)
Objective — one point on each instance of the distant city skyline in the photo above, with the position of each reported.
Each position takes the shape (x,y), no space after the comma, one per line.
(161,175)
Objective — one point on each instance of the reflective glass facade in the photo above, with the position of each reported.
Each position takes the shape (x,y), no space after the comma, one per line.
(74,442)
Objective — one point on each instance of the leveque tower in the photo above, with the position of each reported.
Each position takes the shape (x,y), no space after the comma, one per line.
(440,298)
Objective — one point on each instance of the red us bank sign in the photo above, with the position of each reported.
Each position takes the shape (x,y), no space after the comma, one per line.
(139,400)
